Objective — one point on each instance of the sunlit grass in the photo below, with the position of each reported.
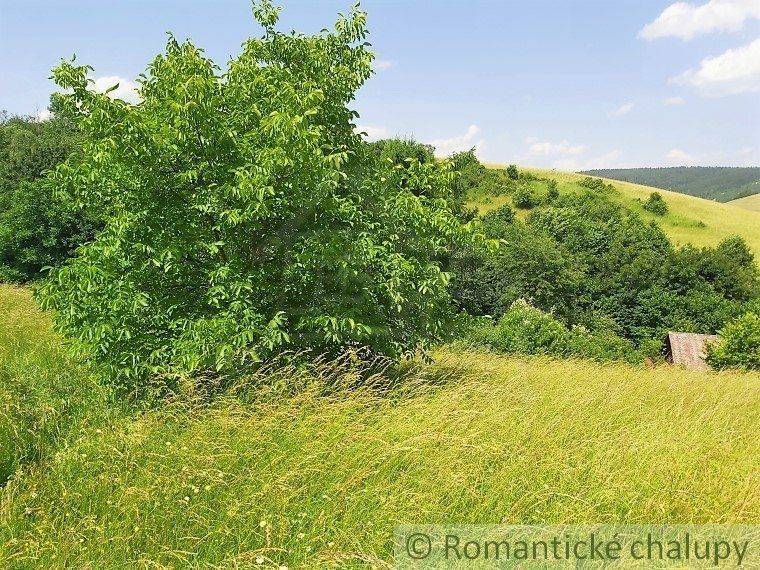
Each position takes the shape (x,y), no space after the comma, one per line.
(319,475)
(44,395)
(748,203)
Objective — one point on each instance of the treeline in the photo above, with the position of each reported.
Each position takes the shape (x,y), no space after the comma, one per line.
(719,183)
(39,227)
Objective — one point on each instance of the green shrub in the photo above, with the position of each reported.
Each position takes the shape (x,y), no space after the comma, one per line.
(499,217)
(552,191)
(39,229)
(38,226)
(596,184)
(524,198)
(524,329)
(401,151)
(656,204)
(245,216)
(738,345)
(527,265)
(512,172)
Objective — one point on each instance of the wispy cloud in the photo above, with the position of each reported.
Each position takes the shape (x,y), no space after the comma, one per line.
(678,156)
(563,155)
(127,90)
(733,71)
(549,148)
(372,132)
(624,109)
(382,64)
(42,115)
(446,147)
(673,101)
(683,20)
(609,159)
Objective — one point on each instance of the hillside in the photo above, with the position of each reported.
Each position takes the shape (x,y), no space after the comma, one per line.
(303,473)
(749,203)
(718,183)
(691,220)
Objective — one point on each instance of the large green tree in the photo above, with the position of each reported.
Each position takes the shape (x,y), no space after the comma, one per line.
(244,214)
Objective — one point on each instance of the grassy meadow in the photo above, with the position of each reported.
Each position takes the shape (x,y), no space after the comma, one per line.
(690,220)
(749,203)
(293,469)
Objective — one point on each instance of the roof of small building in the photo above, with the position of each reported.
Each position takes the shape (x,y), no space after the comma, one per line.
(688,349)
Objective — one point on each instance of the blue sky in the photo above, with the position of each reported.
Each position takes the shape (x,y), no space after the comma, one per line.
(563,84)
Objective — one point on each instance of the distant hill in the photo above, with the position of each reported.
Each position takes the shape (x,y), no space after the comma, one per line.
(719,183)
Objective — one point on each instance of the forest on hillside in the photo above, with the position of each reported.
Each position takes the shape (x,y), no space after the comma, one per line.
(719,183)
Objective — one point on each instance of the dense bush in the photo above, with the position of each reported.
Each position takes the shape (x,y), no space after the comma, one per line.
(596,184)
(523,329)
(524,198)
(512,172)
(656,204)
(588,261)
(38,226)
(528,265)
(552,191)
(245,216)
(38,229)
(738,345)
(400,152)
(730,268)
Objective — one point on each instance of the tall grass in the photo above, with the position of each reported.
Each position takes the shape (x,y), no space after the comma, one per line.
(44,395)
(294,468)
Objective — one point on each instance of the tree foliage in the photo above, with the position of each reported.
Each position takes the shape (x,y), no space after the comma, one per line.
(739,344)
(586,260)
(38,227)
(656,204)
(245,216)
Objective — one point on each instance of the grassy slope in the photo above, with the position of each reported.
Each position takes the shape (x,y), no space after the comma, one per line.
(44,395)
(315,479)
(682,224)
(748,203)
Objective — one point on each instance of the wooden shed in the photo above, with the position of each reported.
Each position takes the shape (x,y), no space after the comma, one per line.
(688,349)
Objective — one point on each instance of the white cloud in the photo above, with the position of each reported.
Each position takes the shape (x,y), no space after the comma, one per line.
(676,155)
(548,148)
(382,64)
(684,20)
(733,71)
(446,147)
(672,101)
(42,115)
(374,133)
(742,156)
(126,91)
(606,160)
(566,156)
(624,109)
